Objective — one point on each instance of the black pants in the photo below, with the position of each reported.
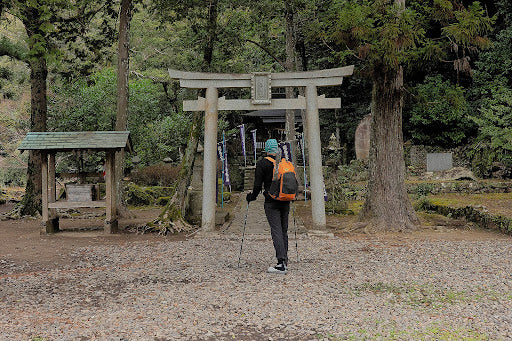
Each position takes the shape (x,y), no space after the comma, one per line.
(277,216)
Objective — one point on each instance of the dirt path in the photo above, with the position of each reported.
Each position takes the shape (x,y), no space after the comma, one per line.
(437,283)
(21,242)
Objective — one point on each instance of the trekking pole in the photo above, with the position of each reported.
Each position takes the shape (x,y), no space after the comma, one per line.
(295,225)
(243,234)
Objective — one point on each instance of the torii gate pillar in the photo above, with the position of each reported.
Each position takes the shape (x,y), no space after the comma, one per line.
(260,84)
(210,159)
(315,157)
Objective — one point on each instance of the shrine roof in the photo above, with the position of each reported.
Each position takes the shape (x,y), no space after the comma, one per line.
(77,140)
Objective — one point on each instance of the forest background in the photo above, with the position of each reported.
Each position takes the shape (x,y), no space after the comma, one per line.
(458,96)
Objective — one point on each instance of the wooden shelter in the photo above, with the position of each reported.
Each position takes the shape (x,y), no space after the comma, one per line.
(50,143)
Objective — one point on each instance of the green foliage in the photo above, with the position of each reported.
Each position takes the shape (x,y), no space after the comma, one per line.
(494,141)
(439,107)
(492,102)
(356,171)
(13,49)
(376,31)
(13,176)
(468,27)
(386,35)
(423,204)
(337,203)
(163,138)
(74,36)
(505,12)
(422,190)
(84,105)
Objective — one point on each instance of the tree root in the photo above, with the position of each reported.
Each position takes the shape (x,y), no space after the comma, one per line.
(169,221)
(376,225)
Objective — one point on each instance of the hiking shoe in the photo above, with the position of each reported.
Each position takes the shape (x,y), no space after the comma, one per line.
(278,269)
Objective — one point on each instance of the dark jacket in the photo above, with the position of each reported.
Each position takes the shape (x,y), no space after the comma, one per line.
(263,178)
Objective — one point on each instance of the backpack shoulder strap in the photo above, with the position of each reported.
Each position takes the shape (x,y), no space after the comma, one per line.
(270,159)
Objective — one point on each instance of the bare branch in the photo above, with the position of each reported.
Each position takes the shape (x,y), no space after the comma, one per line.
(268,52)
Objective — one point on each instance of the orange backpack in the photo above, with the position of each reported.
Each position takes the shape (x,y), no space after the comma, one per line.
(284,185)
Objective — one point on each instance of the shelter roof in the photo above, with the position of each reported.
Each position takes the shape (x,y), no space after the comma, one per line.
(77,140)
(274,115)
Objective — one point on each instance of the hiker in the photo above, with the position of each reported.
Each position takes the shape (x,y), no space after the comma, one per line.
(276,211)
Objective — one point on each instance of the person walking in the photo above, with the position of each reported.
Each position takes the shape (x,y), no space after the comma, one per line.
(276,211)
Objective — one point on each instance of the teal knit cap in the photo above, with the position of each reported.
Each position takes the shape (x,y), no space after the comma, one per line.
(271,146)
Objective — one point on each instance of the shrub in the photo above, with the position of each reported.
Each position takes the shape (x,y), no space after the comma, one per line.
(337,202)
(356,171)
(422,190)
(156,175)
(13,176)
(439,107)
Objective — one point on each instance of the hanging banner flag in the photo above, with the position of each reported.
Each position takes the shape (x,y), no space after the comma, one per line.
(253,132)
(301,146)
(242,137)
(220,153)
(286,150)
(227,181)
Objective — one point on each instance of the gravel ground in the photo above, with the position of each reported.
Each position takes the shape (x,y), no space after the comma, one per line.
(342,288)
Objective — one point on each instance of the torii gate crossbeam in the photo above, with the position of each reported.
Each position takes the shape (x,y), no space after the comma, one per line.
(261,84)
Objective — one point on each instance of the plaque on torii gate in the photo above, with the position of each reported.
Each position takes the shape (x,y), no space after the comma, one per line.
(261,84)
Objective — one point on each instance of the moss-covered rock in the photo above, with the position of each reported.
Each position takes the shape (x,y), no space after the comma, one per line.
(137,196)
(143,196)
(480,218)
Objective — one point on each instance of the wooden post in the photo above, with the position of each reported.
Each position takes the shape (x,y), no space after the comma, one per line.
(111,223)
(44,184)
(315,158)
(210,159)
(53,222)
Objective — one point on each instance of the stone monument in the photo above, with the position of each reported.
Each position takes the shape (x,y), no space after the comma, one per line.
(362,138)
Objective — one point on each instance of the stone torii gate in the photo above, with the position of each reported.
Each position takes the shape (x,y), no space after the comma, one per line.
(261,84)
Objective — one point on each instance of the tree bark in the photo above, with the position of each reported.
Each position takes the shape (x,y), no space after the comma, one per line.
(211,33)
(123,69)
(387,206)
(179,199)
(31,203)
(290,63)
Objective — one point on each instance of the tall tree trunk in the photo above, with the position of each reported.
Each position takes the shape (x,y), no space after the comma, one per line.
(211,34)
(188,161)
(123,69)
(31,203)
(172,217)
(387,206)
(32,200)
(187,164)
(290,63)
